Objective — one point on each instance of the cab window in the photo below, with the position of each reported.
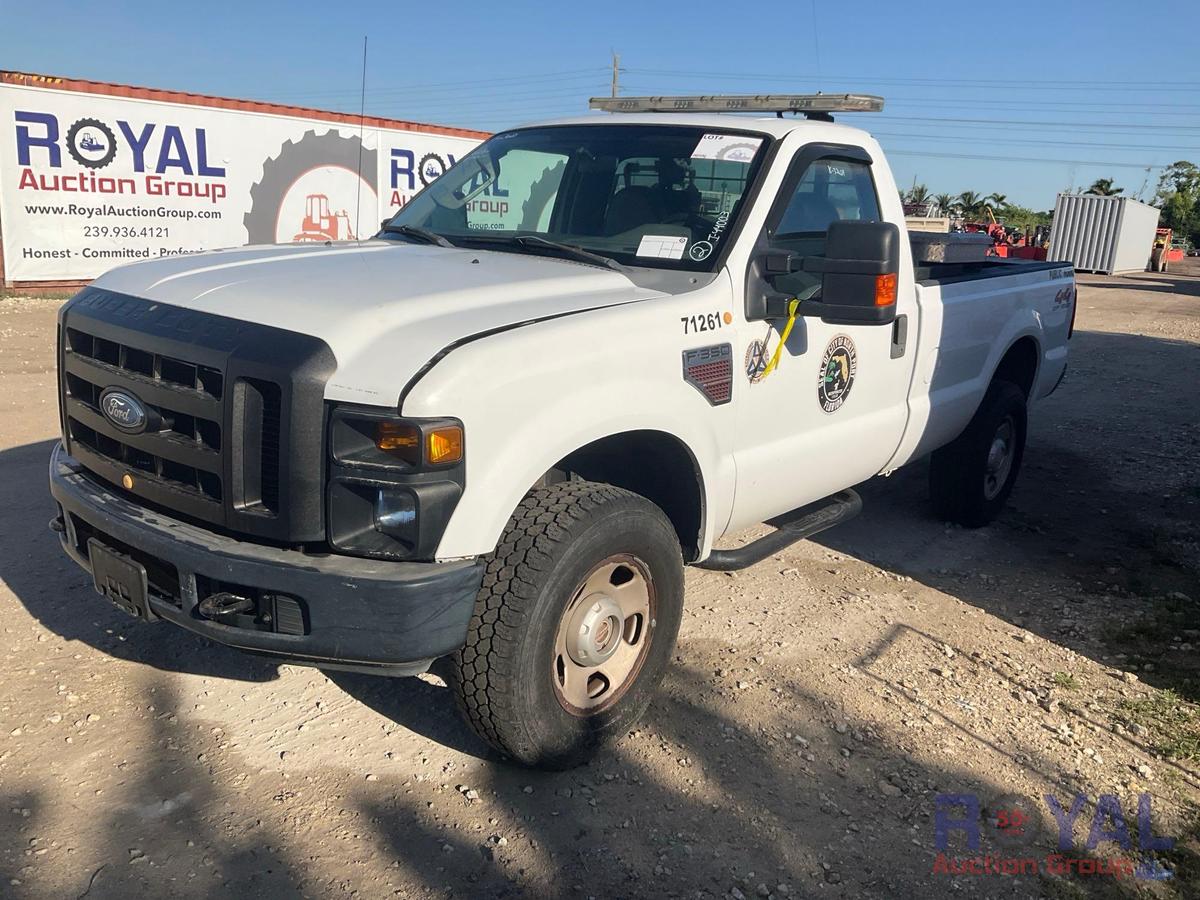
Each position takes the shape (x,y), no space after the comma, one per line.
(829,190)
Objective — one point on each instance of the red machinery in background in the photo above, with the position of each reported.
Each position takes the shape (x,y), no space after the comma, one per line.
(1164,250)
(1006,242)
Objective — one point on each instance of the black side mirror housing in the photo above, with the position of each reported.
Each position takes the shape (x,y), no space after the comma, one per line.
(780,262)
(858,275)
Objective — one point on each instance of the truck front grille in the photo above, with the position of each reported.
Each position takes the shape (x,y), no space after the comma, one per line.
(214,445)
(183,449)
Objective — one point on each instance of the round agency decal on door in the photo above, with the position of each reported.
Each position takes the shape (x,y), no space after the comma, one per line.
(757,355)
(838,368)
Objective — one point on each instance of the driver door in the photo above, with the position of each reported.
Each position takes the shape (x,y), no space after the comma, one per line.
(833,410)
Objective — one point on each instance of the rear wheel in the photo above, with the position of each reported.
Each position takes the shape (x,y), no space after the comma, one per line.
(574,625)
(971,477)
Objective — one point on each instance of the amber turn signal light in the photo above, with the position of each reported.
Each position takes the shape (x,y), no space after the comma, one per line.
(885,289)
(444,445)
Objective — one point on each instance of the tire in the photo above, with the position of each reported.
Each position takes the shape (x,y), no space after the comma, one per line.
(968,478)
(510,678)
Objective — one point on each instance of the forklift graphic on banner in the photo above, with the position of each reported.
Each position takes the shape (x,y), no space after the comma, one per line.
(320,224)
(312,190)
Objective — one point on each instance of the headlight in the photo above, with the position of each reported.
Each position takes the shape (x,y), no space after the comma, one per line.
(393,482)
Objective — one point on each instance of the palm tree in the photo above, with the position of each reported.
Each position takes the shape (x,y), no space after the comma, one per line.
(969,202)
(1103,187)
(945,202)
(996,201)
(918,194)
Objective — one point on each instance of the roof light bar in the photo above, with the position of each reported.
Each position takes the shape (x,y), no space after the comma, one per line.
(771,103)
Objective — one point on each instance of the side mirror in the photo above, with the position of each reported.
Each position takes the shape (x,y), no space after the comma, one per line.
(859,271)
(858,275)
(779,262)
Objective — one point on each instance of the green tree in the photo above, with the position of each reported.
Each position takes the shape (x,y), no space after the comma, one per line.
(970,203)
(1103,187)
(945,203)
(996,201)
(917,194)
(1023,217)
(1178,195)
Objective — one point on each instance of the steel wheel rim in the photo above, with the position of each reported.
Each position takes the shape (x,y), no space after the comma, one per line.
(999,458)
(603,636)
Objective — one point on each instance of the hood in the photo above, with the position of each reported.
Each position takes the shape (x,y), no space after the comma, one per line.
(385,308)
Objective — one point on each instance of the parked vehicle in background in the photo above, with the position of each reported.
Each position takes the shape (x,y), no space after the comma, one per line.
(498,431)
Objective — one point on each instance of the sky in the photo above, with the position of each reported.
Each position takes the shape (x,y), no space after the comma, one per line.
(1020,99)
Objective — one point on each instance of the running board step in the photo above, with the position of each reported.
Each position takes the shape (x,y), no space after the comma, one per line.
(790,527)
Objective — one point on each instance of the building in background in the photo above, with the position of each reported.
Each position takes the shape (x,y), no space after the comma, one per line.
(93,175)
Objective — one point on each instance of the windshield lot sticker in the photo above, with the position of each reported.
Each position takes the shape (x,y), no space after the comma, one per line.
(662,246)
(729,147)
(838,368)
(757,356)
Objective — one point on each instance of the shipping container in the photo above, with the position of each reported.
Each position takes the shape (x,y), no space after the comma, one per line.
(1105,235)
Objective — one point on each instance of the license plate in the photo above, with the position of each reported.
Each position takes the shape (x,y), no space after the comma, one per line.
(121,579)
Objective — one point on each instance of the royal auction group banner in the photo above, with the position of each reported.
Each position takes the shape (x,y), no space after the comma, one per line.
(88,181)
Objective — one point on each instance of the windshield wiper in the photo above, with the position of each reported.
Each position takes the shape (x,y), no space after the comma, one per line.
(535,242)
(416,231)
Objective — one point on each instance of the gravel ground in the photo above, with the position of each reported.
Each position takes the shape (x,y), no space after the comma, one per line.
(819,704)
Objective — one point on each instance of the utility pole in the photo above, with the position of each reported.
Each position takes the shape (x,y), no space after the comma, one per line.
(1145,182)
(616,67)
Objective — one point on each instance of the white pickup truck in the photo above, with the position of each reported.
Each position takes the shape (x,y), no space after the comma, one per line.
(499,429)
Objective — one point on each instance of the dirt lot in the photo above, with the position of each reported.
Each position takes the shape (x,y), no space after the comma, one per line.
(819,704)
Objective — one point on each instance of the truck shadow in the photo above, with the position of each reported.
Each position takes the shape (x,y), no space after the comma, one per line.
(824,799)
(423,707)
(60,595)
(1096,550)
(713,801)
(161,828)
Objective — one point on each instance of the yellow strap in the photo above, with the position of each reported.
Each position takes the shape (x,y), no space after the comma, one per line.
(793,311)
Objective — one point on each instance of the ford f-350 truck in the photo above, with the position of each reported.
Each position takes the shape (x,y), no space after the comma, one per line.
(499,429)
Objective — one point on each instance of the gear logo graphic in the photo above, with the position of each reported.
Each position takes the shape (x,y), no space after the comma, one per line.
(290,197)
(430,168)
(91,143)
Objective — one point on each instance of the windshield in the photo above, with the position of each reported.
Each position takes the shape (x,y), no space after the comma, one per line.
(643,195)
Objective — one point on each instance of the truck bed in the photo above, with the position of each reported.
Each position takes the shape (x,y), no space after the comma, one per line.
(971,314)
(993,267)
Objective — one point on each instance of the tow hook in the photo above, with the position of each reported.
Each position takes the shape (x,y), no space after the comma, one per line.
(222,606)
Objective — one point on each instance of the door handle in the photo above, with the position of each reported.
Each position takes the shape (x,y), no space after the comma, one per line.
(899,336)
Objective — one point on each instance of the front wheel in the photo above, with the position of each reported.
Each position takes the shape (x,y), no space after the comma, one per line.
(574,625)
(971,477)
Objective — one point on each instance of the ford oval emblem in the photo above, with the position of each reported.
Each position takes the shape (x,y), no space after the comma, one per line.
(124,410)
